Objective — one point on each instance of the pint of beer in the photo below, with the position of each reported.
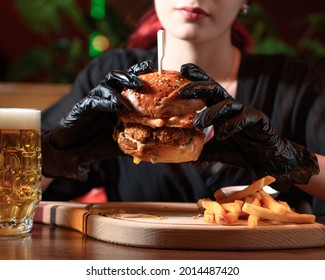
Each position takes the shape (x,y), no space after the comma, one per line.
(20,169)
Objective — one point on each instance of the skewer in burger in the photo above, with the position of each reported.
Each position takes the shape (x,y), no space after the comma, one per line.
(160,126)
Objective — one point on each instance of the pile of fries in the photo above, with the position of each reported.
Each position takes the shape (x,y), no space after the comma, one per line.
(253,204)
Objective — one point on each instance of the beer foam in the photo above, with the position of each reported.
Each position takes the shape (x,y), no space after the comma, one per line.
(20,118)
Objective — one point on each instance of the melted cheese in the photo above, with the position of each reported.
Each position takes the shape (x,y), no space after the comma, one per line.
(136,160)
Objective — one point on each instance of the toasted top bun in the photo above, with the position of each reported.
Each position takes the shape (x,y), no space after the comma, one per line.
(159,98)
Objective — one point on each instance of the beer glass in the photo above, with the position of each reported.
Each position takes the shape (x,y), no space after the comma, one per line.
(20,169)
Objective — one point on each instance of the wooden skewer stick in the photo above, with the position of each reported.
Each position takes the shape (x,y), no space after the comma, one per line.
(161,49)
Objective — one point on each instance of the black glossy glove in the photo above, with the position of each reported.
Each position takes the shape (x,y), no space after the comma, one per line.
(244,136)
(85,134)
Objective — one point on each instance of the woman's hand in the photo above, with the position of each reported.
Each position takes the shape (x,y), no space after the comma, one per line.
(244,136)
(85,134)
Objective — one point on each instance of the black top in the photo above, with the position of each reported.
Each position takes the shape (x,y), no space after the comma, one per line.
(291,93)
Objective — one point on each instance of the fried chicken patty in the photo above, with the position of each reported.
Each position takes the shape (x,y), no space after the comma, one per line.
(164,135)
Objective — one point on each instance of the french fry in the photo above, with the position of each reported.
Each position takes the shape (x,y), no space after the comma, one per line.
(256,195)
(253,220)
(232,206)
(286,205)
(233,209)
(249,199)
(215,208)
(200,202)
(240,202)
(267,214)
(208,216)
(252,188)
(219,194)
(270,203)
(231,217)
(254,203)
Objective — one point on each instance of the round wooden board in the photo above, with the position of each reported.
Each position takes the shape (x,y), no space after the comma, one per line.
(181,229)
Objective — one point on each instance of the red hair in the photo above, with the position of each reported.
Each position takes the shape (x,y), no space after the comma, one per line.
(145,34)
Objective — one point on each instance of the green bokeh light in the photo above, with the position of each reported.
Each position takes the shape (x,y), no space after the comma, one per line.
(97,9)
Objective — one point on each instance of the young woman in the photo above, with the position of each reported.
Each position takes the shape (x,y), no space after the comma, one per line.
(281,133)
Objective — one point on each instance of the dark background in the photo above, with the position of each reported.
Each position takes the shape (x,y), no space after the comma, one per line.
(57,54)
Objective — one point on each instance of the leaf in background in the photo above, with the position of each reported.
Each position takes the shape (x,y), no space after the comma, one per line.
(316,20)
(42,15)
(67,58)
(30,63)
(313,50)
(271,45)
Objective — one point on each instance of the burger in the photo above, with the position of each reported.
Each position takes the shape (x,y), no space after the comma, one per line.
(160,127)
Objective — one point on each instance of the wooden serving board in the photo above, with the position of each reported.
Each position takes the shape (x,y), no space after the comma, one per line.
(174,226)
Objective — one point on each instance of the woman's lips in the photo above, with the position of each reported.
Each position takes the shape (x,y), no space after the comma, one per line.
(192,13)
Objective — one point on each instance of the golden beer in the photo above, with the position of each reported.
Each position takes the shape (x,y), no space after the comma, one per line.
(20,169)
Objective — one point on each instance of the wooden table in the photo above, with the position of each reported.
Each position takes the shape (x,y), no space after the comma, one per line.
(31,95)
(47,242)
